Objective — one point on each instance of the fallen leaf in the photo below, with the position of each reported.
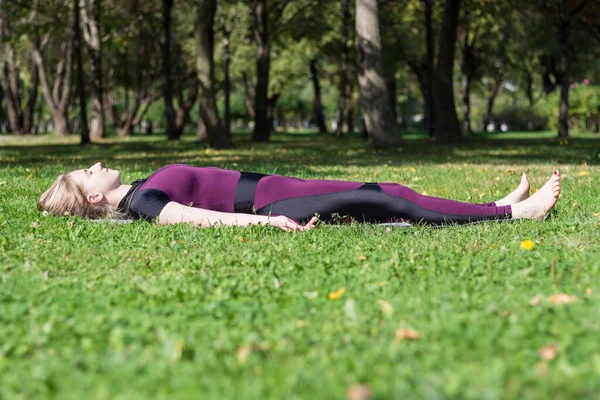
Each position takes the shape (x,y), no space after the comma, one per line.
(549,352)
(588,292)
(583,173)
(386,307)
(535,300)
(243,353)
(337,294)
(300,323)
(35,224)
(562,298)
(362,257)
(411,169)
(71,223)
(358,391)
(527,244)
(406,334)
(575,203)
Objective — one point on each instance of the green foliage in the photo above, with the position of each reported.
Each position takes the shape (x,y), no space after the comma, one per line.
(99,310)
(584,107)
(522,118)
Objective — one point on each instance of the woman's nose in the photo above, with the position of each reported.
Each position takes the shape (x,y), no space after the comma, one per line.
(97,166)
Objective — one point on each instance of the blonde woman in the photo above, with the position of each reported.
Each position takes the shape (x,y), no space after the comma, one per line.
(212,196)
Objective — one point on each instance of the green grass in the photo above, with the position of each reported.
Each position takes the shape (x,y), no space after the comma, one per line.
(98,310)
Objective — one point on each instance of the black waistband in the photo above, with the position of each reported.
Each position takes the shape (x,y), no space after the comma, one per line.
(243,199)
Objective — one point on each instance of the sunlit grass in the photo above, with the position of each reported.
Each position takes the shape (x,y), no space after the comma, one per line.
(98,310)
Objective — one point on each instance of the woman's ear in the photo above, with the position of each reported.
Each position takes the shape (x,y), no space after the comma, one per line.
(95,198)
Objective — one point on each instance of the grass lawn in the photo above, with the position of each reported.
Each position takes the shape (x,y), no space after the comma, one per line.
(127,311)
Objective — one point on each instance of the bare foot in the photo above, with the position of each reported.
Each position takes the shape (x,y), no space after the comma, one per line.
(518,195)
(541,202)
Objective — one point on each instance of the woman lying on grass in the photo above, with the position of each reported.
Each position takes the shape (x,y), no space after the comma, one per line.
(211,197)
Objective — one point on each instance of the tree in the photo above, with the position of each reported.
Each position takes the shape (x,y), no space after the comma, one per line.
(344,111)
(171,131)
(446,121)
(85,134)
(57,98)
(379,116)
(12,85)
(218,136)
(90,15)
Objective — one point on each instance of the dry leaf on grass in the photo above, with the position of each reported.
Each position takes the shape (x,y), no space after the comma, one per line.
(243,353)
(535,300)
(362,257)
(562,298)
(386,307)
(358,391)
(337,294)
(588,292)
(406,334)
(549,352)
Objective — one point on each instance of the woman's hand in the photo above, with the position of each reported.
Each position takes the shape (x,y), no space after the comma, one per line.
(289,225)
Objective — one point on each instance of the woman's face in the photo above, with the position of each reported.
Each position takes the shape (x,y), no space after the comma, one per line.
(97,179)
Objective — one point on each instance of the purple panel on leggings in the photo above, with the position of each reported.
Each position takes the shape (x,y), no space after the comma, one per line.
(444,205)
(276,187)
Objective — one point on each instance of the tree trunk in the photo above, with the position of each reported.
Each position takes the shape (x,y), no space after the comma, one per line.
(375,99)
(248,95)
(563,116)
(344,73)
(317,103)
(204,37)
(487,116)
(29,112)
(226,33)
(90,14)
(262,127)
(429,94)
(85,133)
(466,100)
(167,77)
(447,128)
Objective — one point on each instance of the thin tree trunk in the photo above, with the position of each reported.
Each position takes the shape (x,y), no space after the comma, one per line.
(226,33)
(379,117)
(85,133)
(262,127)
(429,94)
(466,100)
(90,14)
(446,122)
(487,116)
(204,36)
(167,77)
(317,102)
(29,112)
(344,73)
(57,98)
(248,95)
(563,116)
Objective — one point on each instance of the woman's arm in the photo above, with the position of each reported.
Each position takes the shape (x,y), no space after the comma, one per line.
(174,213)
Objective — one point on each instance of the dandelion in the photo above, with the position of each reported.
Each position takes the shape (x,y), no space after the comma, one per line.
(337,294)
(527,244)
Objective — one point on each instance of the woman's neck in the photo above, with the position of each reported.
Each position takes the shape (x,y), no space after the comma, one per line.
(115,196)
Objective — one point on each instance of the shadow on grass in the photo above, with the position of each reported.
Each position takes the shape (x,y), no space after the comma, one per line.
(299,151)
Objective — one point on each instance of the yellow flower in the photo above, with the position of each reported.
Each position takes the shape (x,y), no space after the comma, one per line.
(411,169)
(583,173)
(337,294)
(527,244)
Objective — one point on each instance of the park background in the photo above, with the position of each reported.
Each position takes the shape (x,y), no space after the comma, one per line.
(453,98)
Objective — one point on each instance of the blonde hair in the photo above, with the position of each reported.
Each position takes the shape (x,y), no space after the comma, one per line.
(66,197)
